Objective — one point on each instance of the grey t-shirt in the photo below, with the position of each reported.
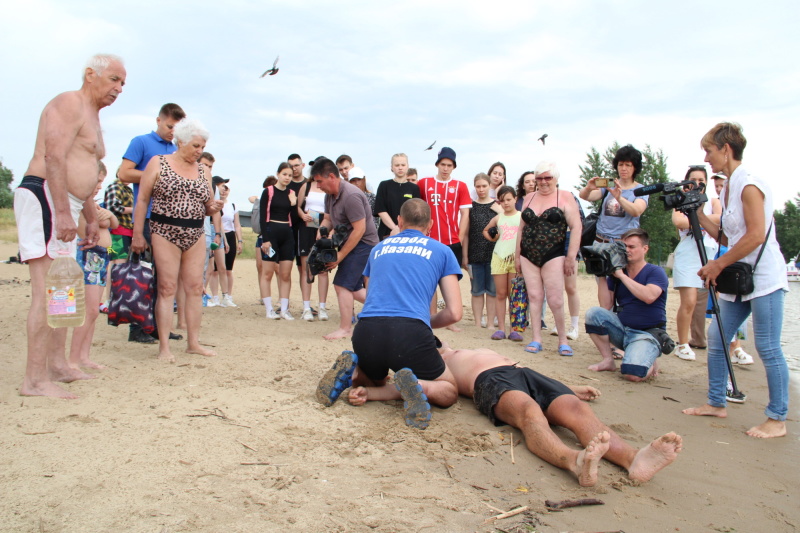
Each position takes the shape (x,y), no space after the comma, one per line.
(614,221)
(350,206)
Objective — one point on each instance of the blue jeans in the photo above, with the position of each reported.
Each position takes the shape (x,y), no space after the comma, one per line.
(767,313)
(482,280)
(641,348)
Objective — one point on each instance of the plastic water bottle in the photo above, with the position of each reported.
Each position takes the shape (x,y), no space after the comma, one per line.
(66,301)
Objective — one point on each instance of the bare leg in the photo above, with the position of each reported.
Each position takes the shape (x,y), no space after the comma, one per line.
(262,289)
(685,312)
(573,298)
(535,288)
(180,299)
(230,282)
(491,310)
(569,412)
(501,282)
(603,344)
(219,260)
(284,279)
(168,263)
(553,280)
(521,411)
(305,286)
(81,342)
(477,309)
(322,287)
(192,274)
(345,299)
(38,380)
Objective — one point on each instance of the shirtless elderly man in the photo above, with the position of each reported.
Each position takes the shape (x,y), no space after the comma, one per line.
(58,184)
(531,402)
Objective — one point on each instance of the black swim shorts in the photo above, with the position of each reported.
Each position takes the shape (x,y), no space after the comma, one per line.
(491,384)
(384,343)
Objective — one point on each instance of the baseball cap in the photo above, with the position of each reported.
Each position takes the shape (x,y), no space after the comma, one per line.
(356,173)
(719,176)
(216,180)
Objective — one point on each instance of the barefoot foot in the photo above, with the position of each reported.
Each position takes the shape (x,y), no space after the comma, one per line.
(199,350)
(69,374)
(338,334)
(706,410)
(454,328)
(768,430)
(47,388)
(166,356)
(604,366)
(88,363)
(589,458)
(655,456)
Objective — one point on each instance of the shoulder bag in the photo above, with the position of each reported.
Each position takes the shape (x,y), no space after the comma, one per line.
(737,279)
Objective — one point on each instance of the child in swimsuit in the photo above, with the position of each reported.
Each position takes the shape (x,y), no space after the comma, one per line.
(503,256)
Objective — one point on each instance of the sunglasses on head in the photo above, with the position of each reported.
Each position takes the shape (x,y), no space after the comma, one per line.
(697,167)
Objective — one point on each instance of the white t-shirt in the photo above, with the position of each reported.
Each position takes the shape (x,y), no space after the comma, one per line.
(228,211)
(770,273)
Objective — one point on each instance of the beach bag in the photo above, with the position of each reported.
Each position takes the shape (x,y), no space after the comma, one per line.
(132,295)
(737,279)
(518,305)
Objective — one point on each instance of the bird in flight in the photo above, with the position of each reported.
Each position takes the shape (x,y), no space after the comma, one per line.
(429,147)
(542,138)
(273,70)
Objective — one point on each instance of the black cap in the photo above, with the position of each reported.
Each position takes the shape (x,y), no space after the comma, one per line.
(216,180)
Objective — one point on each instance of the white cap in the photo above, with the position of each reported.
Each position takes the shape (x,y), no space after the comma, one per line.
(355,172)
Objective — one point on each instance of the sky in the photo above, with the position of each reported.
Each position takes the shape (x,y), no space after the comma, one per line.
(371,79)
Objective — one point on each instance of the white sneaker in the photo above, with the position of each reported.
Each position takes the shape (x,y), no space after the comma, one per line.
(484,322)
(213,302)
(272,315)
(572,334)
(307,315)
(227,301)
(286,315)
(684,352)
(322,314)
(495,322)
(740,357)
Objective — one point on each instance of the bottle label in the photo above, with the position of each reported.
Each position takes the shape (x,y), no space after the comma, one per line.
(61,301)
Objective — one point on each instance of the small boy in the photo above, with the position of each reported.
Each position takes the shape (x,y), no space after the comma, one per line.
(391,196)
(94,263)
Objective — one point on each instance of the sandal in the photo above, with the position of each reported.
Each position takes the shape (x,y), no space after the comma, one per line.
(684,352)
(498,335)
(534,347)
(565,350)
(617,354)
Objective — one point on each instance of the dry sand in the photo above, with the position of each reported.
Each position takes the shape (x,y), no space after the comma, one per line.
(238,443)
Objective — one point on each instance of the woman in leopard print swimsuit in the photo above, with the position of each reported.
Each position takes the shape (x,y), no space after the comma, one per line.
(181,196)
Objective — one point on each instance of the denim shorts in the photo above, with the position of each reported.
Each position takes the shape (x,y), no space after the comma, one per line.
(350,272)
(641,348)
(482,280)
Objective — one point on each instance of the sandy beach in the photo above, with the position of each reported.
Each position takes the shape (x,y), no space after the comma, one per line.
(237,443)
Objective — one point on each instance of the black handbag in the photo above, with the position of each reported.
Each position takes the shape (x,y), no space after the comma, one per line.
(589,229)
(737,279)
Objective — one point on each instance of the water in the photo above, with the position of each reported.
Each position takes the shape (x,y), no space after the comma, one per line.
(790,338)
(66,301)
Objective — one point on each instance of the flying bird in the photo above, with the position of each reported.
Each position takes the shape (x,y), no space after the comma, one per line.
(542,138)
(273,70)
(429,147)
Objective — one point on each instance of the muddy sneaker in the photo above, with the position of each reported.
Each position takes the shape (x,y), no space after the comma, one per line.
(418,410)
(337,379)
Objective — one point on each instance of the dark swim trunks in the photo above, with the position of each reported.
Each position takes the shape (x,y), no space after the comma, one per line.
(491,384)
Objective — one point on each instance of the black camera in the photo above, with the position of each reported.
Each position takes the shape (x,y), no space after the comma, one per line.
(493,231)
(682,196)
(324,250)
(604,258)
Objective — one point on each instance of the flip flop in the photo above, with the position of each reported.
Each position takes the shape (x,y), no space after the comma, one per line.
(565,350)
(617,354)
(418,410)
(534,347)
(337,379)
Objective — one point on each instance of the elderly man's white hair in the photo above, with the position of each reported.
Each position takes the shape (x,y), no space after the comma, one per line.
(547,166)
(186,129)
(100,62)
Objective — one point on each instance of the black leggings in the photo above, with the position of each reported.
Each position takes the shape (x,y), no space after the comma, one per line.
(230,255)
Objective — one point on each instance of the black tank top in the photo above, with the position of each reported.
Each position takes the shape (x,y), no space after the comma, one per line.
(281,206)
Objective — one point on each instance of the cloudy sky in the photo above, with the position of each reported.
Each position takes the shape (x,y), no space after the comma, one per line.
(373,78)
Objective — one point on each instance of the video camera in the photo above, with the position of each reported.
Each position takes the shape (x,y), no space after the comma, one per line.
(682,196)
(604,258)
(324,250)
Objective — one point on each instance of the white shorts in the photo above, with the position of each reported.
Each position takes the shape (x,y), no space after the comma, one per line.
(36,220)
(687,262)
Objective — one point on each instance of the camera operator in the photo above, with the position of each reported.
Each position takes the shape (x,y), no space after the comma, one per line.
(346,204)
(639,292)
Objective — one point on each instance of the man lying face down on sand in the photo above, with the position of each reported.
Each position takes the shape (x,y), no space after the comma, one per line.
(531,402)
